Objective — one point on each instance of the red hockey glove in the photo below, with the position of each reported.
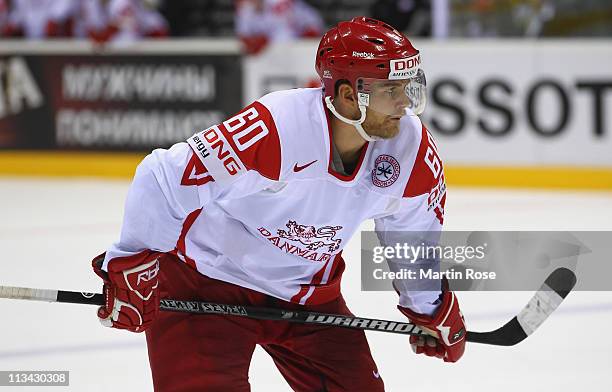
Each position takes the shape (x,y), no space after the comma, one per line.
(448,327)
(130,289)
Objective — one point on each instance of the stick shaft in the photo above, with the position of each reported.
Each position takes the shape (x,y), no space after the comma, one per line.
(199,307)
(27,293)
(554,290)
(297,316)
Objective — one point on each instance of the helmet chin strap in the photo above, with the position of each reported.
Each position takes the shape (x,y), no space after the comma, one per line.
(355,123)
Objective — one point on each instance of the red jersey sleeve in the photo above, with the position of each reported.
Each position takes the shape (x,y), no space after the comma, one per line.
(427,176)
(247,141)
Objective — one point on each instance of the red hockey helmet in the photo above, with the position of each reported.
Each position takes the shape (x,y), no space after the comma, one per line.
(368,53)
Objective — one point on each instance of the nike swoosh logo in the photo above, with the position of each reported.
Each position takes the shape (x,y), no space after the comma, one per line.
(298,168)
(375,374)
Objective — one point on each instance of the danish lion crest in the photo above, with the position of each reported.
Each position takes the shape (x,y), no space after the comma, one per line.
(312,237)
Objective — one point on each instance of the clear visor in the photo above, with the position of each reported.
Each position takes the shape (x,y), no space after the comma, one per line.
(393,97)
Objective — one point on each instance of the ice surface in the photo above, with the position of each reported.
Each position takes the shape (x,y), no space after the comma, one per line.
(50,230)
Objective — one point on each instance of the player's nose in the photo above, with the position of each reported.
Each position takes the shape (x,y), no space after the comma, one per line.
(402,103)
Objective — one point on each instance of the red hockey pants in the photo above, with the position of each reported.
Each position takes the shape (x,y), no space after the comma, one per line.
(190,353)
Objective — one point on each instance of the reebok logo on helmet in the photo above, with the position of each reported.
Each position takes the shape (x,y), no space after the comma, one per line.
(363,55)
(404,68)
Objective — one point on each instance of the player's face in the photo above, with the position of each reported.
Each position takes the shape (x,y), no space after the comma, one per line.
(381,125)
(388,103)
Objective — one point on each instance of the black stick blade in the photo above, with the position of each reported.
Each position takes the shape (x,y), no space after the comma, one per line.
(508,335)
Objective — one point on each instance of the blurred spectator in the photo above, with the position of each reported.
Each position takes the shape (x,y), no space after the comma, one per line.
(532,18)
(412,17)
(92,20)
(104,21)
(131,20)
(4,16)
(37,19)
(153,23)
(259,22)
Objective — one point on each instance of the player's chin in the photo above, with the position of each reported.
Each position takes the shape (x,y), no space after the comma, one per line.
(391,128)
(387,133)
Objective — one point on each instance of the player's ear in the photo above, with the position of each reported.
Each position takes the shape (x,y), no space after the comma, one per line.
(346,93)
(345,100)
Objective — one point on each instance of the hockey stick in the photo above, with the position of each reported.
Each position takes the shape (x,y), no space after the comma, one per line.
(548,298)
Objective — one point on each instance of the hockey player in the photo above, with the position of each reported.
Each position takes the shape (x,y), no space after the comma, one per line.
(256,211)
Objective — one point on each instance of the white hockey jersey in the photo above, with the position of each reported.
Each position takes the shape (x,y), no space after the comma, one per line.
(254,201)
